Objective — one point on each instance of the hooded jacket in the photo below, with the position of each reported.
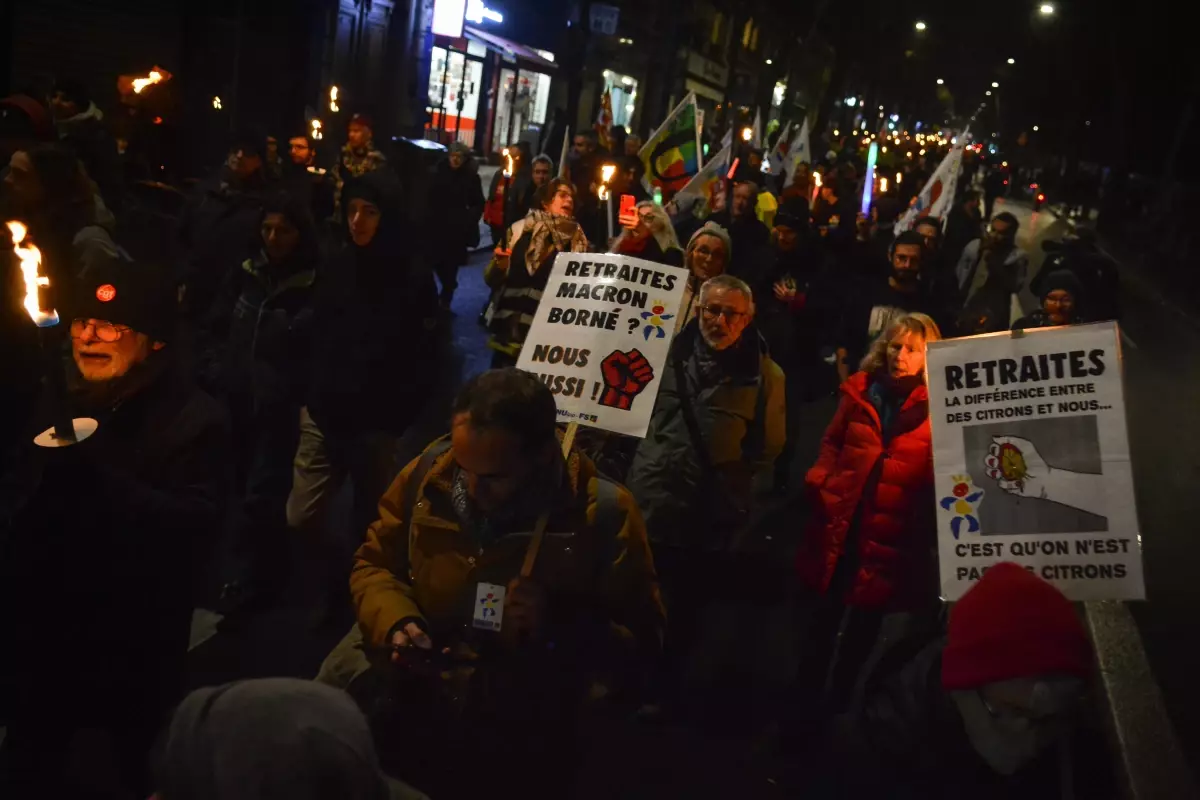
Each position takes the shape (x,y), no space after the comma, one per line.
(740,413)
(455,203)
(374,323)
(260,330)
(218,229)
(881,490)
(91,142)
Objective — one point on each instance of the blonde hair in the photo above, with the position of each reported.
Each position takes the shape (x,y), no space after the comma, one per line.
(660,227)
(920,324)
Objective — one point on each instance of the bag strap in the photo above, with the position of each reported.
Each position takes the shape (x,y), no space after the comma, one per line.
(415,479)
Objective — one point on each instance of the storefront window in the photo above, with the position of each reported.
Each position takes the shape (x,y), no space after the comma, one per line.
(522,104)
(623,91)
(453,77)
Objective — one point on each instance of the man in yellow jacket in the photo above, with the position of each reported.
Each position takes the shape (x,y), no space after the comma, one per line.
(438,589)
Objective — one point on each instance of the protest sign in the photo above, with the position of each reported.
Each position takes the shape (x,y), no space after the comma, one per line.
(1031,460)
(600,337)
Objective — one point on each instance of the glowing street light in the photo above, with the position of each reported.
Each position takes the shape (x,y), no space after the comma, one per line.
(920,26)
(1012,61)
(988,93)
(940,81)
(1035,128)
(1046,9)
(768,62)
(995,85)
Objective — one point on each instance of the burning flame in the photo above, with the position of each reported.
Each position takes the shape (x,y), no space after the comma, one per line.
(508,163)
(817,179)
(316,129)
(333,98)
(217,103)
(141,83)
(607,171)
(31,259)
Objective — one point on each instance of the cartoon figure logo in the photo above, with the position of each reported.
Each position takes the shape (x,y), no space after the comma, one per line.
(963,500)
(654,320)
(489,605)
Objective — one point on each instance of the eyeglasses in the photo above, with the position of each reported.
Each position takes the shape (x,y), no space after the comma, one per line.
(715,312)
(104,330)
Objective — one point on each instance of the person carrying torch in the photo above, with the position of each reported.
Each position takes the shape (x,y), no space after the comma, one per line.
(125,518)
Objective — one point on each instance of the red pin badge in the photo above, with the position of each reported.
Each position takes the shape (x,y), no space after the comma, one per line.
(106,292)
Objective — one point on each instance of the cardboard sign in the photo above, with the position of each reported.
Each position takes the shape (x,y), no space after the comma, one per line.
(1031,460)
(600,337)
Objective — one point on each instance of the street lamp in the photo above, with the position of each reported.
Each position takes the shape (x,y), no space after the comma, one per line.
(1012,61)
(1046,9)
(940,81)
(988,93)
(1035,128)
(920,26)
(995,85)
(768,62)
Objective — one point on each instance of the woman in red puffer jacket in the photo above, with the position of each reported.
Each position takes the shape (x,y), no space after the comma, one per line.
(868,549)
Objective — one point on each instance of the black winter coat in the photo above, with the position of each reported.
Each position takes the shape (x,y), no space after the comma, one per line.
(219,227)
(376,344)
(260,332)
(455,205)
(121,525)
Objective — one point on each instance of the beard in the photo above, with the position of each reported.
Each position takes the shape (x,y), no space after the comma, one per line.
(906,277)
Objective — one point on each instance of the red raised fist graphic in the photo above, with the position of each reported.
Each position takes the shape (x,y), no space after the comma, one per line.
(625,375)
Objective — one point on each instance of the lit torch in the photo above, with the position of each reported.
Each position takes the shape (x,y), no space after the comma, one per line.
(507,173)
(816,185)
(606,174)
(65,430)
(316,130)
(333,99)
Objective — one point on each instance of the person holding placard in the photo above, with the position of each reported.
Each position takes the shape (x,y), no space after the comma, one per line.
(533,243)
(868,548)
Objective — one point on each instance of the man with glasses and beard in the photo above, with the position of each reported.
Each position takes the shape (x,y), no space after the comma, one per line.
(877,304)
(990,271)
(719,421)
(99,564)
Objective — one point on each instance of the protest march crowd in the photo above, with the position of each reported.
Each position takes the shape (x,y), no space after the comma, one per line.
(520,581)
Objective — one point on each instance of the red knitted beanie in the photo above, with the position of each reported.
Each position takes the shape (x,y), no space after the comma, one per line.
(1012,624)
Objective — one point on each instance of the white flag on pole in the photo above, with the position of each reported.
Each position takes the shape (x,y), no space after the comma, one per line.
(563,172)
(937,197)
(797,151)
(775,159)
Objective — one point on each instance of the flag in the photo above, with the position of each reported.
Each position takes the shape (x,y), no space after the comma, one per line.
(604,121)
(563,170)
(797,151)
(672,154)
(756,136)
(727,139)
(938,195)
(778,155)
(703,182)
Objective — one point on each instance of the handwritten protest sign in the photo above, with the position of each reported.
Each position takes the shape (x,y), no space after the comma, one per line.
(600,337)
(1031,460)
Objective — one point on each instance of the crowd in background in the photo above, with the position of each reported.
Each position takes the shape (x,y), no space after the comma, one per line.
(290,339)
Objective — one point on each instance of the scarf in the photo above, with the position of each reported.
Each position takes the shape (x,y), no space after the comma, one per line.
(358,164)
(550,233)
(888,394)
(525,506)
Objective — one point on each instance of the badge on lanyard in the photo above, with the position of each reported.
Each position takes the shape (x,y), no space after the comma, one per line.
(489,606)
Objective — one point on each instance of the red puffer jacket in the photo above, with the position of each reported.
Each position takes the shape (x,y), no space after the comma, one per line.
(893,484)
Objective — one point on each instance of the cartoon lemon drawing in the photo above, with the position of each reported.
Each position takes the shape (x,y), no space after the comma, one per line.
(1012,463)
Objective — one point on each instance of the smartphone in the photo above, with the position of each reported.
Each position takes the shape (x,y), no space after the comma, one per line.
(628,205)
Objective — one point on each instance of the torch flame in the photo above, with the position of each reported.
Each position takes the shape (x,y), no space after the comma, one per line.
(333,99)
(31,259)
(508,163)
(606,172)
(141,83)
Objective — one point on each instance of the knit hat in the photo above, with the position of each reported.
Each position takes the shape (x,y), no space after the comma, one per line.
(361,119)
(128,293)
(712,229)
(793,212)
(1061,279)
(1012,624)
(271,737)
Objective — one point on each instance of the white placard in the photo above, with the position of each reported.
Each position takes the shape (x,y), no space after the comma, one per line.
(600,337)
(1031,460)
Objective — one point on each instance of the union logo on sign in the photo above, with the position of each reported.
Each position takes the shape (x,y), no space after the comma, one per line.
(106,292)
